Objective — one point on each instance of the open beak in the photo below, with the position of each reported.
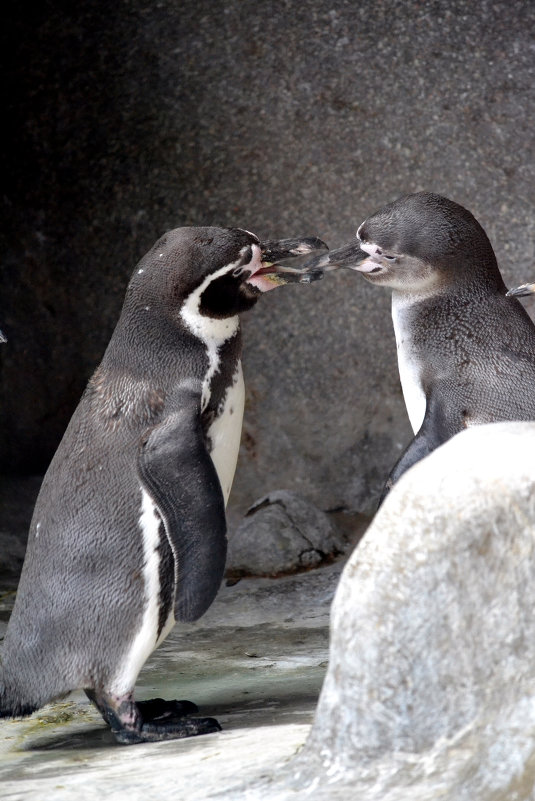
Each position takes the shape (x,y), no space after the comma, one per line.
(520,291)
(275,271)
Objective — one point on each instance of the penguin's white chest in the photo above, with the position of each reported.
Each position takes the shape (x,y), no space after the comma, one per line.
(225,432)
(408,364)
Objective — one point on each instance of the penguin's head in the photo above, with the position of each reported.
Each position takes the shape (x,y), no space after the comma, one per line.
(420,242)
(424,241)
(222,270)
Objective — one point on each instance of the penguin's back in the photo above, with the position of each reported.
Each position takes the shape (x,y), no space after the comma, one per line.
(81,582)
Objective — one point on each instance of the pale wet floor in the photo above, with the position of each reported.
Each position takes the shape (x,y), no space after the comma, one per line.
(255,661)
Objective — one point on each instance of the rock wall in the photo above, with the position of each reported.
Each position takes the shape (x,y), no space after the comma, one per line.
(123,121)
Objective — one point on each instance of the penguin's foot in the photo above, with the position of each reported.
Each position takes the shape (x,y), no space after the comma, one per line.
(150,721)
(165,730)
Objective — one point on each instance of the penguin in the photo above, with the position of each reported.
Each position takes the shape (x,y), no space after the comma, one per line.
(466,352)
(128,533)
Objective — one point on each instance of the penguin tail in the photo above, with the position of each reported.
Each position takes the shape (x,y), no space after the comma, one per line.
(16,709)
(12,706)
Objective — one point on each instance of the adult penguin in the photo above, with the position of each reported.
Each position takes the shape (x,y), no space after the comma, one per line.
(128,532)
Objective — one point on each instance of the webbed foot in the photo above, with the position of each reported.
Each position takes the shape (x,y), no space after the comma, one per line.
(150,721)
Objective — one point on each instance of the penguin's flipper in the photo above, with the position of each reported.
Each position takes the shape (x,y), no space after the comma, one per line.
(437,427)
(415,450)
(177,470)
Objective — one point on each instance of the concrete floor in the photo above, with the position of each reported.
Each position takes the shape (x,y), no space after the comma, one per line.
(255,661)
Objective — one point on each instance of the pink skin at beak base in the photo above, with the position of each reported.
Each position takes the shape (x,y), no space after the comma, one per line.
(264,283)
(365,266)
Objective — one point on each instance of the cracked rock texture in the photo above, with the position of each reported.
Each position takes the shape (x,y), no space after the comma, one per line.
(429,690)
(124,120)
(282,533)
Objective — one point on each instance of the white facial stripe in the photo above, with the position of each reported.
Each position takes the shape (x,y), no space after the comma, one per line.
(256,260)
(369,247)
(248,232)
(368,265)
(214,332)
(209,327)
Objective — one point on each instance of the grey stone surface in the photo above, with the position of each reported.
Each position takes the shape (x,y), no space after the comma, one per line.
(282,533)
(429,691)
(280,117)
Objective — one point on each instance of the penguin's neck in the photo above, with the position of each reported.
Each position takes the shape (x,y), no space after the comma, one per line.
(211,331)
(224,432)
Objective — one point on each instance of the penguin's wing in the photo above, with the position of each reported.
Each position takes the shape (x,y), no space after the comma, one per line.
(439,424)
(176,469)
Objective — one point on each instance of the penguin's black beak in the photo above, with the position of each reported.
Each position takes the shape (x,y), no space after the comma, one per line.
(275,257)
(349,255)
(520,291)
(280,249)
